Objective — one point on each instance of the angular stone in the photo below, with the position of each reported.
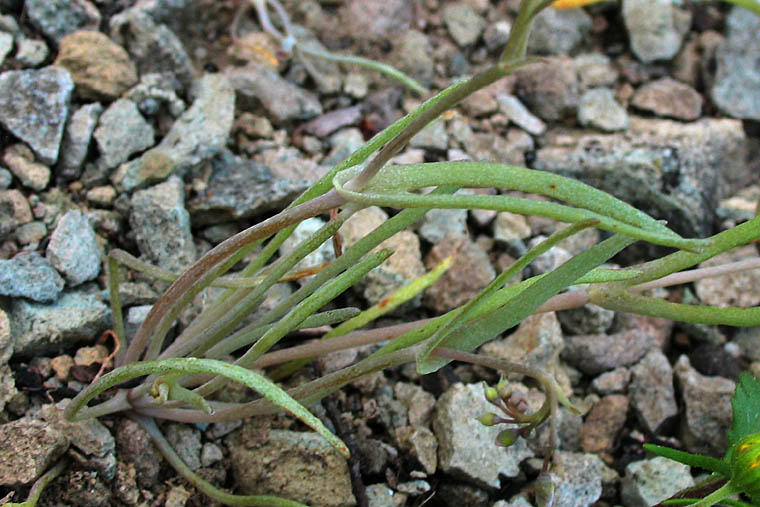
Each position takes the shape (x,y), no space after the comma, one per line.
(577,479)
(668,165)
(670,98)
(122,131)
(734,289)
(466,448)
(463,23)
(597,353)
(708,409)
(603,424)
(57,18)
(28,447)
(299,466)
(6,45)
(421,444)
(656,28)
(14,211)
(558,31)
(20,160)
(73,249)
(30,276)
(550,88)
(651,391)
(375,20)
(519,114)
(162,225)
(48,329)
(736,88)
(76,140)
(197,135)
(100,68)
(649,482)
(32,52)
(282,99)
(598,108)
(34,106)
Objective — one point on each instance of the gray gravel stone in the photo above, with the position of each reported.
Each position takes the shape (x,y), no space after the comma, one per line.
(656,28)
(380,495)
(122,132)
(187,442)
(558,31)
(73,249)
(432,137)
(598,108)
(734,289)
(412,53)
(668,165)
(20,160)
(284,100)
(162,225)
(14,211)
(28,447)
(651,391)
(496,35)
(421,444)
(6,45)
(153,46)
(34,106)
(31,52)
(466,448)
(76,140)
(736,88)
(588,319)
(519,114)
(550,88)
(577,479)
(651,481)
(440,223)
(595,70)
(30,276)
(31,233)
(197,135)
(301,466)
(240,188)
(151,92)
(376,20)
(708,409)
(615,381)
(463,23)
(594,354)
(48,329)
(670,98)
(58,18)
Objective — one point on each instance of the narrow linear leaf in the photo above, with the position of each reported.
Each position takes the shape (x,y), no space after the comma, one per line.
(694,460)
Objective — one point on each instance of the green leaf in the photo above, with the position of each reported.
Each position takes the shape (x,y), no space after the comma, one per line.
(694,460)
(746,408)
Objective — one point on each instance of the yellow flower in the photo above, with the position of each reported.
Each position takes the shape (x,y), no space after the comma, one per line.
(570,4)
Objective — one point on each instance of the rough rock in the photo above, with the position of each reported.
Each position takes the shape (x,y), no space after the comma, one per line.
(708,409)
(28,447)
(603,424)
(588,319)
(14,211)
(20,160)
(57,18)
(380,495)
(536,343)
(670,98)
(122,131)
(154,47)
(298,466)
(6,45)
(598,108)
(34,106)
(421,444)
(734,289)
(736,88)
(510,227)
(240,188)
(577,479)
(100,68)
(73,250)
(76,140)
(595,70)
(519,114)
(432,137)
(197,135)
(438,224)
(32,52)
(152,91)
(594,354)
(466,448)
(48,329)
(419,403)
(134,447)
(31,233)
(186,441)
(375,20)
(401,268)
(162,225)
(30,276)
(282,99)
(615,381)
(463,23)
(668,165)
(651,481)
(558,31)
(651,391)
(550,88)
(655,28)
(470,272)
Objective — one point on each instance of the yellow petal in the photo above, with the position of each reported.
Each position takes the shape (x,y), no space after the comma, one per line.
(570,4)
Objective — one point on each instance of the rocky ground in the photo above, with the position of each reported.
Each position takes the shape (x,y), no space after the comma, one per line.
(139,125)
